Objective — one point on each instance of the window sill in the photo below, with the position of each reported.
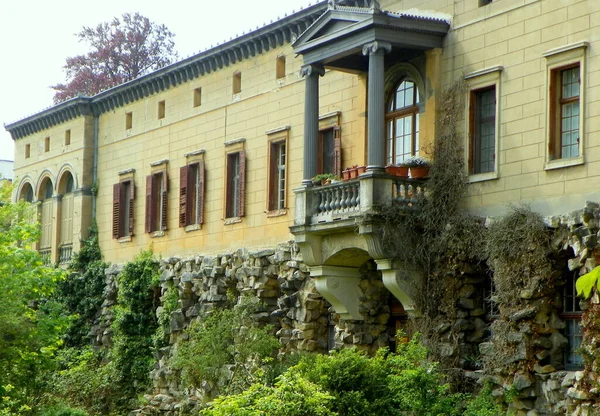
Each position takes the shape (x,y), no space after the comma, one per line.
(126,239)
(563,163)
(192,227)
(233,220)
(236,97)
(277,213)
(482,177)
(155,234)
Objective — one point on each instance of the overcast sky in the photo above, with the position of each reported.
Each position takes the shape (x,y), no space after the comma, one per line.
(37,35)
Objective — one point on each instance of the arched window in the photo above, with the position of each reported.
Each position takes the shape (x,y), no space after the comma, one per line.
(65,229)
(402,119)
(46,214)
(26,193)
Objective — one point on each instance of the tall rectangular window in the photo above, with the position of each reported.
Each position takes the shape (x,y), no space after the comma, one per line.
(482,130)
(27,151)
(277,185)
(67,137)
(191,194)
(571,315)
(565,92)
(128,120)
(156,202)
(235,185)
(47,144)
(123,199)
(330,151)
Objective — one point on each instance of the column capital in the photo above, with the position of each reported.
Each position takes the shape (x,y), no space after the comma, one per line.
(375,46)
(309,70)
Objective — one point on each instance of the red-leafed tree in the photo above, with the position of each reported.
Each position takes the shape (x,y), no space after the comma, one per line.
(120,51)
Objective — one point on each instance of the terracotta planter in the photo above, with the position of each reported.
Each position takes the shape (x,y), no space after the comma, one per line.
(419,172)
(401,171)
(353,172)
(360,169)
(346,174)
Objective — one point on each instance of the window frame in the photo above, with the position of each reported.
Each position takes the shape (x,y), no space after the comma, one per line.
(573,315)
(475,123)
(413,111)
(483,79)
(157,188)
(277,175)
(558,60)
(192,197)
(235,184)
(122,198)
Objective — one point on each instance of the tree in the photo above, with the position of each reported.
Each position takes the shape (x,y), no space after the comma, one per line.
(120,50)
(31,324)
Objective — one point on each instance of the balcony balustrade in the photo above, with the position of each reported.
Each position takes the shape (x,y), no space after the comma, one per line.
(46,254)
(65,253)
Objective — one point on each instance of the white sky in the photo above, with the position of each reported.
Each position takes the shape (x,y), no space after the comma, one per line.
(36,37)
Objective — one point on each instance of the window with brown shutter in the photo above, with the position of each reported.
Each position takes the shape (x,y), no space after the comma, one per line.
(277,172)
(123,199)
(565,112)
(191,194)
(236,184)
(156,202)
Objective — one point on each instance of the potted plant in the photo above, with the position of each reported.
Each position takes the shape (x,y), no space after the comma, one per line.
(400,170)
(419,167)
(324,179)
(361,169)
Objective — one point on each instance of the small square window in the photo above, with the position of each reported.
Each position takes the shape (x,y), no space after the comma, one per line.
(128,121)
(67,137)
(161,109)
(237,82)
(280,67)
(197,97)
(484,2)
(27,151)
(47,144)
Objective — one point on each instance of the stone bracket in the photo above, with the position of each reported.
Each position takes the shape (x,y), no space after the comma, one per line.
(402,281)
(339,285)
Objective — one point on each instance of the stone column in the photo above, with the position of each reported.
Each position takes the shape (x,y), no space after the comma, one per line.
(376,105)
(311,120)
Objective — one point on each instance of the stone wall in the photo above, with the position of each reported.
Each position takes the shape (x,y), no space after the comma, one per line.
(532,375)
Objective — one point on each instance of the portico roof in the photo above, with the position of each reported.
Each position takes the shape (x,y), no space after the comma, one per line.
(337,37)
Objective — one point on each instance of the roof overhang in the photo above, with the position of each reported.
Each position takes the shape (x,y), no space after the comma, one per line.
(337,38)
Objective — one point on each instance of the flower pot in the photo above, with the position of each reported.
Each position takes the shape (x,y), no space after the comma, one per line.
(401,171)
(419,172)
(346,174)
(360,169)
(353,172)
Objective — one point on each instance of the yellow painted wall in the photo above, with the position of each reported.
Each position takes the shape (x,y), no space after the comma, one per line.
(264,103)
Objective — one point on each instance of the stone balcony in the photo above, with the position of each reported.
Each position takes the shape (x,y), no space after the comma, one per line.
(338,229)
(344,206)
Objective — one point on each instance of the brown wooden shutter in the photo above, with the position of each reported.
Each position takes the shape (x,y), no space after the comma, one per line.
(149,204)
(200,191)
(183,195)
(337,151)
(242,184)
(272,176)
(116,209)
(164,201)
(131,201)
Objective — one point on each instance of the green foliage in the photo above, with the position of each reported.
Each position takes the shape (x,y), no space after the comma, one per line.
(227,340)
(350,383)
(85,380)
(483,405)
(63,410)
(292,395)
(134,327)
(31,323)
(169,305)
(586,283)
(82,292)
